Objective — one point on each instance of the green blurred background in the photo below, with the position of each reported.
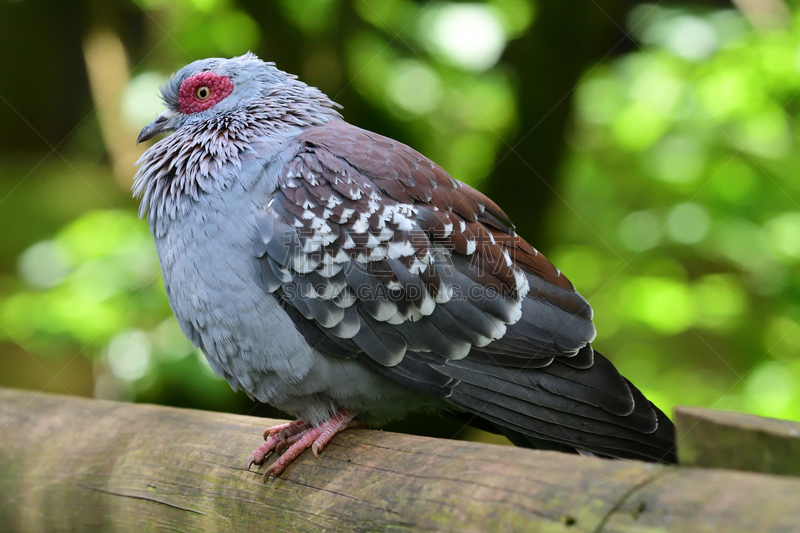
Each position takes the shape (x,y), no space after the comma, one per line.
(648,149)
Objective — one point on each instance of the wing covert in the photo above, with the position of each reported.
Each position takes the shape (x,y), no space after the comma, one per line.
(375,244)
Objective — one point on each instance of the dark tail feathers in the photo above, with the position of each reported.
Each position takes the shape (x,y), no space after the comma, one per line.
(564,407)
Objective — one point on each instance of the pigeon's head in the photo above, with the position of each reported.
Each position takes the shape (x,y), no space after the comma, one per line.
(207,88)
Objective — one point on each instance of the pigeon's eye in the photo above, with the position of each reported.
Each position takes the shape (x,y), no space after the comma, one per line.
(203,91)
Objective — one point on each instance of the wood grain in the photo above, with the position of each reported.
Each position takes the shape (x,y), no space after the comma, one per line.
(737,441)
(69,463)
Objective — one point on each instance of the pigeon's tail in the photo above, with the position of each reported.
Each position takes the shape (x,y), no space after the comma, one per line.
(564,407)
(664,438)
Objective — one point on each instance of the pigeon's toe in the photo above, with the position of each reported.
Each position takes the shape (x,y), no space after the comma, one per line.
(311,437)
(275,438)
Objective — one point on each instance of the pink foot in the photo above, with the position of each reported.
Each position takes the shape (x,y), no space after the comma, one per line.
(309,437)
(275,437)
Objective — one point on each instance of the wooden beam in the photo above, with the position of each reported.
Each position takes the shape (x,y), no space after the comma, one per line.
(737,441)
(70,463)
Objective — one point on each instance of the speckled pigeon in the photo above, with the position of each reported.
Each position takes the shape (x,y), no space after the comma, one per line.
(335,273)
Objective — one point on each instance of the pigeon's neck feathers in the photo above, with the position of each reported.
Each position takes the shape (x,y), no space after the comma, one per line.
(205,154)
(292,102)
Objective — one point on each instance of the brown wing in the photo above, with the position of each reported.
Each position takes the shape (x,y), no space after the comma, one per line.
(377,253)
(376,244)
(454,215)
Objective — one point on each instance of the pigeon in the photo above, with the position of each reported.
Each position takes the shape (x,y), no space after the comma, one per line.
(344,278)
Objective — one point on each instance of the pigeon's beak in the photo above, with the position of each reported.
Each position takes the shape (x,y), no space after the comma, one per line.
(163,123)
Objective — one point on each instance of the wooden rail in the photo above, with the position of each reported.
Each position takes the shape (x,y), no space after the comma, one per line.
(77,464)
(738,441)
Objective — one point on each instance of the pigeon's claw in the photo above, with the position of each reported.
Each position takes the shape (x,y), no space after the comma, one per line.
(261,453)
(288,426)
(311,437)
(330,428)
(274,438)
(295,428)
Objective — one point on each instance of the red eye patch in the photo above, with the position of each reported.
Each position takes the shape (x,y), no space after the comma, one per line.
(218,86)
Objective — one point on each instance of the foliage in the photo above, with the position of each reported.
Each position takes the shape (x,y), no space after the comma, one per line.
(679,216)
